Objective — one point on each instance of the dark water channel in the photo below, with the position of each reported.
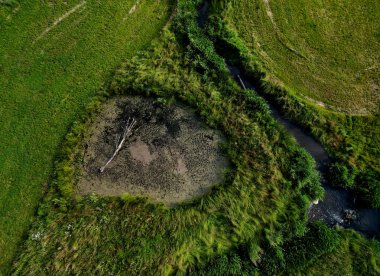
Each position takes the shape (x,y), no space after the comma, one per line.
(339,206)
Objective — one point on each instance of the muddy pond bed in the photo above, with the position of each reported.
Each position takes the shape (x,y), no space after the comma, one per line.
(169,156)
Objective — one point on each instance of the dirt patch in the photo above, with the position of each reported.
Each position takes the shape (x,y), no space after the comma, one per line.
(140,152)
(171,156)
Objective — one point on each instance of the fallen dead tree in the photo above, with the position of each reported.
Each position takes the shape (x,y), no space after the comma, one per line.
(120,139)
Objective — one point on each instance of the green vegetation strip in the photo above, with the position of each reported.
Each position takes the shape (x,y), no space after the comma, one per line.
(54,56)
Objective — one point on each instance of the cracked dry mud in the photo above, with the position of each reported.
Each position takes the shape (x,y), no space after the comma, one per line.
(170,157)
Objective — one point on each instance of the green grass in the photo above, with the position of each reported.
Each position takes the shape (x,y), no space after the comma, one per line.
(47,81)
(261,205)
(352,141)
(264,198)
(322,51)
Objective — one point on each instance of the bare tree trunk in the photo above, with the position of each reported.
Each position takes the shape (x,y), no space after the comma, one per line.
(119,143)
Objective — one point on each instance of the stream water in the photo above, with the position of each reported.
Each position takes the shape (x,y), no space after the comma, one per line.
(339,206)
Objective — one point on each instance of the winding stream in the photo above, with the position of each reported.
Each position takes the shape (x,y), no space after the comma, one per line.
(338,203)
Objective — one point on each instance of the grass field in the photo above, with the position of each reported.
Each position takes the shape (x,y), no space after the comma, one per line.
(260,207)
(323,51)
(54,56)
(253,38)
(264,197)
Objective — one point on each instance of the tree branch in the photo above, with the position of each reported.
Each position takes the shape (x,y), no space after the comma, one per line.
(127,129)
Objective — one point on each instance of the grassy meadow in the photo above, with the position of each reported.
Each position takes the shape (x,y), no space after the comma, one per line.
(264,197)
(326,52)
(248,222)
(253,38)
(255,221)
(54,57)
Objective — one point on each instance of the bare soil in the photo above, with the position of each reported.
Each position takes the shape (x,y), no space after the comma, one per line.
(170,157)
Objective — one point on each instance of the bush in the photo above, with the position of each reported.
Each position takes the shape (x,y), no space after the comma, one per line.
(200,48)
(369,187)
(298,253)
(341,175)
(231,264)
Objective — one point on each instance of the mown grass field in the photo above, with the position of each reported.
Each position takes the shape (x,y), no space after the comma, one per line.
(326,52)
(54,56)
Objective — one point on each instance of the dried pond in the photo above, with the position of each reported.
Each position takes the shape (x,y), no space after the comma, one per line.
(170,155)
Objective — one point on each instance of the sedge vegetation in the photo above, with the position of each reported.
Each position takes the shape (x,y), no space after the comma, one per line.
(263,200)
(54,56)
(264,44)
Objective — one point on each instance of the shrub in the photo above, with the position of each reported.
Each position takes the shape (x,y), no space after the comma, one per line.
(299,252)
(230,264)
(10,3)
(341,175)
(200,48)
(369,187)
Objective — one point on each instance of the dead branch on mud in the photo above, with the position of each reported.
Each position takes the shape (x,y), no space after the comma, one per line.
(119,143)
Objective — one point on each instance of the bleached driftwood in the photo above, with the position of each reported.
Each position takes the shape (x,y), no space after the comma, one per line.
(241,82)
(119,143)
